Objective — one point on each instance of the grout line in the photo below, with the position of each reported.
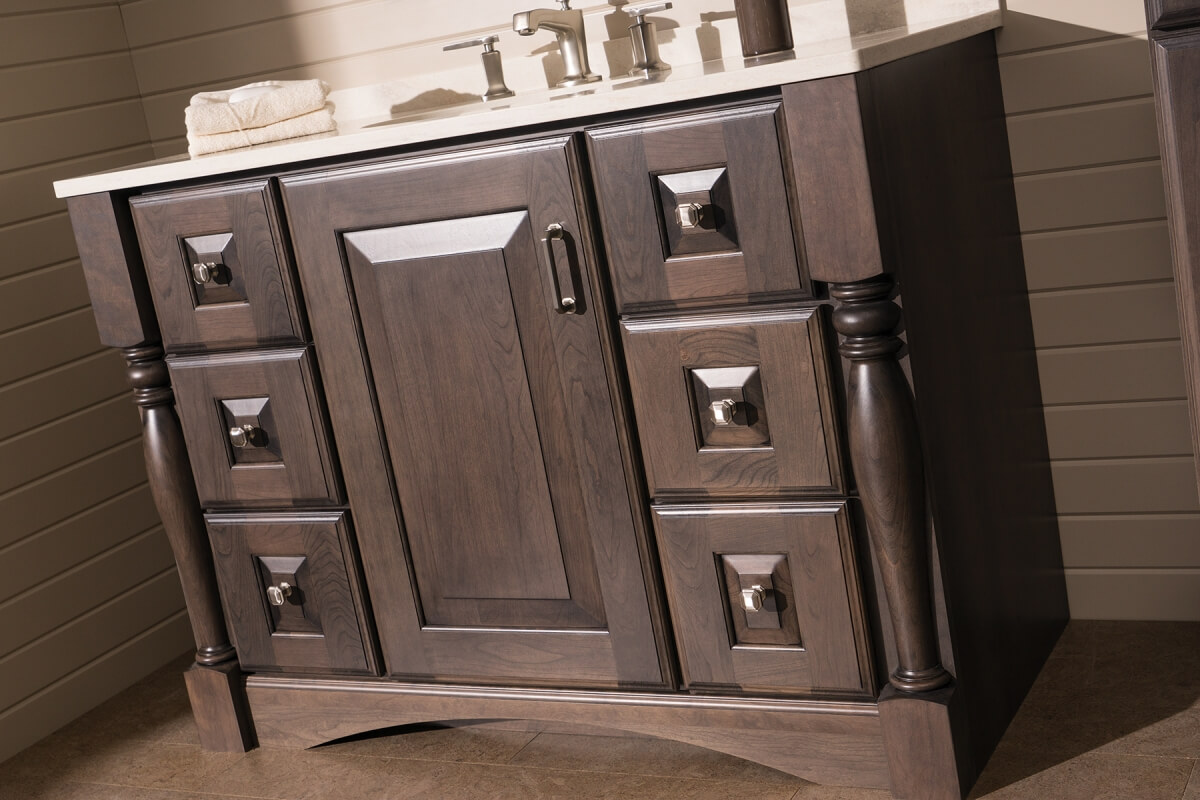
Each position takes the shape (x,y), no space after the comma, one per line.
(524,747)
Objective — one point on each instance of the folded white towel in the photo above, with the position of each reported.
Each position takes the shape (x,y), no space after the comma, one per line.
(211,112)
(305,125)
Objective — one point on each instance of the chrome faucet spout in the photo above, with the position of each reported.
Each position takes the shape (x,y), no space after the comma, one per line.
(569,31)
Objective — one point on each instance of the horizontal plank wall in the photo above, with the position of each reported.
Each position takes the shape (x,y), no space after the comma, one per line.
(89,598)
(1076,76)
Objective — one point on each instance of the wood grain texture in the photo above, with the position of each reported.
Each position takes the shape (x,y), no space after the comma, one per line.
(291,464)
(803,452)
(814,540)
(833,180)
(939,132)
(885,453)
(218,698)
(1176,61)
(928,755)
(825,742)
(112,263)
(174,492)
(479,277)
(325,593)
(564,360)
(253,302)
(763,261)
(1165,14)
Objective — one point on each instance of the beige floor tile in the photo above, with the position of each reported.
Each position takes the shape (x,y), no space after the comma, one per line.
(814,792)
(1174,736)
(145,764)
(286,775)
(1089,777)
(476,745)
(1192,792)
(660,757)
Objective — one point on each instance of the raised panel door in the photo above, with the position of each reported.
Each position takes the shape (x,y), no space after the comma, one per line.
(471,396)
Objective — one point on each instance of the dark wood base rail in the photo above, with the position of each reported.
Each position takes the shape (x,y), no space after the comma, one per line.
(838,743)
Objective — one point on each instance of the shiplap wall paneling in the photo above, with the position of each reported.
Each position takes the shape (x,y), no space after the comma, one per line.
(1077,87)
(89,597)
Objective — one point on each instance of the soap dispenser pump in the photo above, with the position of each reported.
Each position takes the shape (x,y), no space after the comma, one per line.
(644,38)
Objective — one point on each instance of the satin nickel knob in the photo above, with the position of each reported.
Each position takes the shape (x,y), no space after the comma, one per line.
(752,598)
(723,411)
(689,215)
(277,595)
(243,435)
(204,273)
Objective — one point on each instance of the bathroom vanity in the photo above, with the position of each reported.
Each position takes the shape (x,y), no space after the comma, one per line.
(605,411)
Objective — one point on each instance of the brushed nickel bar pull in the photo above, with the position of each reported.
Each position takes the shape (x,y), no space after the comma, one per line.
(564,304)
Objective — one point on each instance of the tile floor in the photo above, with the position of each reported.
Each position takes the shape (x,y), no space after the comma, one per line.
(1114,715)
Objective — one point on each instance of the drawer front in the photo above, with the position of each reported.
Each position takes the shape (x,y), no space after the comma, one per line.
(765,598)
(255,429)
(290,587)
(218,268)
(734,404)
(696,211)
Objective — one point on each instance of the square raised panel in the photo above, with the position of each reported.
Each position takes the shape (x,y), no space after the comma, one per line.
(255,429)
(695,210)
(731,410)
(765,597)
(218,267)
(734,404)
(291,591)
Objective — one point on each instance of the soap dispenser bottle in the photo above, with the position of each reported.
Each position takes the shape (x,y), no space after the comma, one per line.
(764,26)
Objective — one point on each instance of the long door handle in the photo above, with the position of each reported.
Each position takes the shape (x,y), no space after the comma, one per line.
(564,304)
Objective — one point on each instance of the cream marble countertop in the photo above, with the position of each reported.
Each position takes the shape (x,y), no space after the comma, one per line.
(688,82)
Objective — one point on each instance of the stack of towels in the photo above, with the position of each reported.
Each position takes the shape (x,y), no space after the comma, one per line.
(256,113)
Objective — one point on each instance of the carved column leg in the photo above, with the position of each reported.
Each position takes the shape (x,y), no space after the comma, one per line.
(215,684)
(922,725)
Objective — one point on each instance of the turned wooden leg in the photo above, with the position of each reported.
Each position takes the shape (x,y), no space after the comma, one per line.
(918,711)
(215,685)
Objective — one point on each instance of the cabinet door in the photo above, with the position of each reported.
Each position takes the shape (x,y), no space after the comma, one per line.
(461,384)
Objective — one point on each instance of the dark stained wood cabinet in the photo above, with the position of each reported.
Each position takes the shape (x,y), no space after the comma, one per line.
(218,267)
(611,422)
(291,593)
(511,552)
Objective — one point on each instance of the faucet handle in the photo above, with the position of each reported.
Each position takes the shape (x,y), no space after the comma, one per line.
(643,37)
(487,42)
(493,67)
(564,5)
(651,8)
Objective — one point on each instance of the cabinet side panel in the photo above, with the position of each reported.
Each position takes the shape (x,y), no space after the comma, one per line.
(113,266)
(936,133)
(832,179)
